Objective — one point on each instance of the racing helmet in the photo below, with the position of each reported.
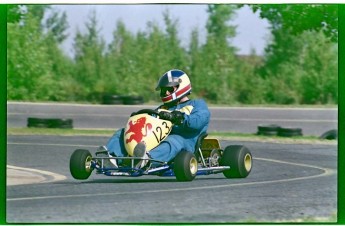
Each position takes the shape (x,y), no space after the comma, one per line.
(174,78)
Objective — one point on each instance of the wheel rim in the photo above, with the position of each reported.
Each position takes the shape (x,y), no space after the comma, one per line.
(193,166)
(214,158)
(88,164)
(248,162)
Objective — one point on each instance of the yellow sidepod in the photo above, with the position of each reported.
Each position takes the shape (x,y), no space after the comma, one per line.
(145,128)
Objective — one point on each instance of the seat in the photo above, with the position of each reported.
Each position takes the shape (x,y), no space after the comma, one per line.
(199,141)
(197,151)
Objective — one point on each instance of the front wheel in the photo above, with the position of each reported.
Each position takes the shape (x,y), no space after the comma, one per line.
(185,166)
(80,164)
(239,158)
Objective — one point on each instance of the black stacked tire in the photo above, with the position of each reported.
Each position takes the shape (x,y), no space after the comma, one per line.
(37,122)
(289,132)
(133,100)
(112,99)
(239,158)
(50,123)
(127,100)
(268,130)
(61,123)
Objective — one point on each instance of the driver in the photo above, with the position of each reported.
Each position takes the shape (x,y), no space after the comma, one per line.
(190,119)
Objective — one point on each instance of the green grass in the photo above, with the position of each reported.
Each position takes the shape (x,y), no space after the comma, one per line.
(218,135)
(271,139)
(59,132)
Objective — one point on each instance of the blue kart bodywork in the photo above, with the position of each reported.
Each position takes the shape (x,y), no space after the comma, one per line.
(154,167)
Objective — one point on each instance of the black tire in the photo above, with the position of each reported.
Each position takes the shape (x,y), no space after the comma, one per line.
(330,135)
(133,100)
(289,132)
(80,164)
(38,125)
(239,158)
(269,130)
(60,123)
(185,166)
(50,123)
(112,99)
(37,122)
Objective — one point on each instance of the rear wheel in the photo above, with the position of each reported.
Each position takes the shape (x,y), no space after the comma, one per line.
(239,158)
(80,164)
(185,166)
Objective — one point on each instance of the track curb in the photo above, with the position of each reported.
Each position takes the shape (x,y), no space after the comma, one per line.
(20,175)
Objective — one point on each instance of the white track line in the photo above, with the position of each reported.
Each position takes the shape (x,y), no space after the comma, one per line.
(39,173)
(326,172)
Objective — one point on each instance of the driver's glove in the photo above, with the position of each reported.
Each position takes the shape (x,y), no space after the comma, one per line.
(165,115)
(176,117)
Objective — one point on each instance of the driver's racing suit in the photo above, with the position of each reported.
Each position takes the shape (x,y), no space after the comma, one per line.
(182,137)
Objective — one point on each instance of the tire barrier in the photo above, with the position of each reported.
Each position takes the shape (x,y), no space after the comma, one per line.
(276,130)
(330,135)
(133,100)
(289,132)
(50,123)
(268,130)
(37,122)
(127,100)
(112,99)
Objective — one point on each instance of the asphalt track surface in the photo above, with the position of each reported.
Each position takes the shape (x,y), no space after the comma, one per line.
(313,121)
(289,182)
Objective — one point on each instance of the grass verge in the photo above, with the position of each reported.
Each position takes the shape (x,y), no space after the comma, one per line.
(59,132)
(218,135)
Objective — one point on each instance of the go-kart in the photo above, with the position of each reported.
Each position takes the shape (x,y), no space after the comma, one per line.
(235,161)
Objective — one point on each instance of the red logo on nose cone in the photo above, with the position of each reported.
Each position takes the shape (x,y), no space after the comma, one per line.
(136,129)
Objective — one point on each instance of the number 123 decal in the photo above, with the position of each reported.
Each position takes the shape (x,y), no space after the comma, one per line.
(162,132)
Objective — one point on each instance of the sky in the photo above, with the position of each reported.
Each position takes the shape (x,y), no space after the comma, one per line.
(252,31)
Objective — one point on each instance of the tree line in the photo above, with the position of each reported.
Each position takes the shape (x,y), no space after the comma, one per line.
(299,66)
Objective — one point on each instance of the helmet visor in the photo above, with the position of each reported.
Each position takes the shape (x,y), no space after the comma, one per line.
(164,90)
